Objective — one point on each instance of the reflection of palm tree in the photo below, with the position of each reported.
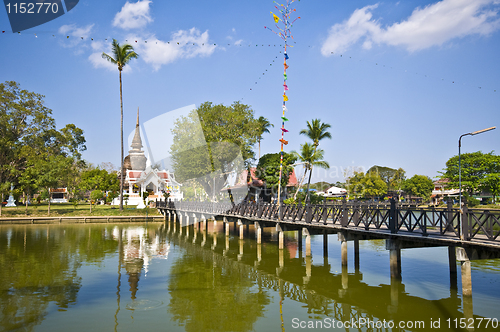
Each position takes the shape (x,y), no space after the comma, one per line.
(309,156)
(316,131)
(263,125)
(121,56)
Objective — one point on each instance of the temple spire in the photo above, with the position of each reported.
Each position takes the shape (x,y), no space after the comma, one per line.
(137,158)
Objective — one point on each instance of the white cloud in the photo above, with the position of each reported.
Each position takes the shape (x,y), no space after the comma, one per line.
(133,15)
(430,26)
(184,44)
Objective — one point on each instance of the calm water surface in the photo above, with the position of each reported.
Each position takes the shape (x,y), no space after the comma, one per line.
(161,277)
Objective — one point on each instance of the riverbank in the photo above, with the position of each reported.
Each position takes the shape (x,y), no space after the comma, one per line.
(70,210)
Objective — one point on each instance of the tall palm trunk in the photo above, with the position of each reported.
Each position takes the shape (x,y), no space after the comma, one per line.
(308,194)
(121,142)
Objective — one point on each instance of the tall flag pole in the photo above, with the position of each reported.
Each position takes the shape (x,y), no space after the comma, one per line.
(283,26)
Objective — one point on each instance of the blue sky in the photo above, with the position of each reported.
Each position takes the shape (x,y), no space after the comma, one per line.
(399,81)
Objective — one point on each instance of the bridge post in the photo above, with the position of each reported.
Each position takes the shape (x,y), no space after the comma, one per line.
(345,214)
(259,254)
(449,214)
(195,234)
(465,222)
(395,257)
(240,255)
(299,240)
(281,262)
(241,229)
(165,215)
(305,232)
(452,258)
(307,278)
(204,238)
(214,243)
(392,217)
(187,230)
(464,258)
(226,226)
(175,217)
(342,236)
(175,226)
(227,246)
(258,231)
(356,256)
(280,236)
(325,244)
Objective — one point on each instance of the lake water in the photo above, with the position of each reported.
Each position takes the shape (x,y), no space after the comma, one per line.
(161,277)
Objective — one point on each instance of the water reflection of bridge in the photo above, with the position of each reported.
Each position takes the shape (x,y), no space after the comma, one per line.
(340,296)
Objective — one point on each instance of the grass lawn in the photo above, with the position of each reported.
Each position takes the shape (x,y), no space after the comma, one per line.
(68,210)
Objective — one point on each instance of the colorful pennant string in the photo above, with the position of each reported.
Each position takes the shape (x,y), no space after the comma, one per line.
(284,33)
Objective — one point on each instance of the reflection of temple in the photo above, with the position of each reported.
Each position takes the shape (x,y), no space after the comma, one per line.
(141,177)
(139,248)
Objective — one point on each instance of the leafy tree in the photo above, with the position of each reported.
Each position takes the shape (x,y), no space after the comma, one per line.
(121,55)
(491,183)
(49,172)
(310,157)
(99,179)
(477,168)
(29,140)
(367,185)
(419,185)
(212,142)
(268,169)
(263,127)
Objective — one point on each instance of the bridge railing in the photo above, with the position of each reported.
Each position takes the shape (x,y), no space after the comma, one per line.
(392,216)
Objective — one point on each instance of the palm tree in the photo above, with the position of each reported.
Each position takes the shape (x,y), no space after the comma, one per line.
(316,131)
(309,156)
(121,56)
(263,125)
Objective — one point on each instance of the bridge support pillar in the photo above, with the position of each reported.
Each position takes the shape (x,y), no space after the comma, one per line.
(226,226)
(305,232)
(259,254)
(214,243)
(165,215)
(299,240)
(281,237)
(241,229)
(325,243)
(394,248)
(258,232)
(224,252)
(187,231)
(281,262)
(240,255)
(204,238)
(195,234)
(452,257)
(175,227)
(356,256)
(342,237)
(307,278)
(175,217)
(464,257)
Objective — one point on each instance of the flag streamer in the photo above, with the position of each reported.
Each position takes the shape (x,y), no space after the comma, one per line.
(283,30)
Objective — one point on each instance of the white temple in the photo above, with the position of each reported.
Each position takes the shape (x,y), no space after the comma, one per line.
(142,178)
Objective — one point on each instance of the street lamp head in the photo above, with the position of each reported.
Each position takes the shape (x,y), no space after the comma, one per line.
(482,131)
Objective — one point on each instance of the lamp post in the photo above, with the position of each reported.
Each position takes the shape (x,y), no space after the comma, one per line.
(460,176)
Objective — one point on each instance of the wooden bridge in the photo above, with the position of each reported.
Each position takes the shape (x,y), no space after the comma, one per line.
(470,234)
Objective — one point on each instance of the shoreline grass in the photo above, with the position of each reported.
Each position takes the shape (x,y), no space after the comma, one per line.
(69,210)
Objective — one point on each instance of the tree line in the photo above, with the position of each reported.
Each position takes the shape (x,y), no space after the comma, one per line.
(35,156)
